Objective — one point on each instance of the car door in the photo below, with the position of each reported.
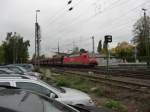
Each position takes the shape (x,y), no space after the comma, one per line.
(35,87)
(5,83)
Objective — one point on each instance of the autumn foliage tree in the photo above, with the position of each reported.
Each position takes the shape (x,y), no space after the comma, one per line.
(124,50)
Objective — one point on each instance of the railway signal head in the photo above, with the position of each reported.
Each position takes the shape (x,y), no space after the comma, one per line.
(108,38)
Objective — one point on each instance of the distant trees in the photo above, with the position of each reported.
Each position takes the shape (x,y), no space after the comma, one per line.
(83,50)
(75,50)
(123,50)
(142,37)
(15,48)
(99,48)
(2,58)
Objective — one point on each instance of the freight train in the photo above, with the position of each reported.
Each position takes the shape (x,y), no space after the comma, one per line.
(73,60)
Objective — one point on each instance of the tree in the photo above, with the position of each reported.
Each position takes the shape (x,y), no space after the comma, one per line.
(124,50)
(142,37)
(15,49)
(75,50)
(104,49)
(2,59)
(99,48)
(83,51)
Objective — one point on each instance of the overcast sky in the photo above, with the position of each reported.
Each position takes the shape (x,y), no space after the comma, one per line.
(88,18)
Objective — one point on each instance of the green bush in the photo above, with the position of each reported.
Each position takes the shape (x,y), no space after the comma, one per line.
(115,105)
(62,82)
(99,92)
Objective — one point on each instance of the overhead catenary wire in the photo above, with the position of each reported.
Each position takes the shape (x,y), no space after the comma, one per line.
(87,19)
(127,24)
(123,15)
(76,18)
(116,19)
(59,14)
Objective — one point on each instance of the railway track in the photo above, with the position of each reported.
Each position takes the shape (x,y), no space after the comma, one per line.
(121,82)
(140,73)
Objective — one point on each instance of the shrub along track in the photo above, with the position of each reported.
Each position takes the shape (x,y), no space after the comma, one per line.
(117,81)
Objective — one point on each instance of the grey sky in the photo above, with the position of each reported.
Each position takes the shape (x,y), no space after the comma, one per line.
(89,17)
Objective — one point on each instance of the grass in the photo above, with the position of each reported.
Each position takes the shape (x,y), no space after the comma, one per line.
(73,82)
(88,87)
(115,105)
(76,82)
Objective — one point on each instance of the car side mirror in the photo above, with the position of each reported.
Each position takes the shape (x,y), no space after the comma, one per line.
(52,95)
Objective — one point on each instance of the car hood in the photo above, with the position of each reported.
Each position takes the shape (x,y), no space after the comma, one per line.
(73,93)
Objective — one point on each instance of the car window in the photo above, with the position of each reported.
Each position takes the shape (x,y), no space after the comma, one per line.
(22,69)
(5,83)
(33,87)
(54,106)
(51,108)
(2,72)
(15,69)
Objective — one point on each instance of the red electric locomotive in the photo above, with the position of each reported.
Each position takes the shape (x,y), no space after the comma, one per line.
(81,59)
(73,60)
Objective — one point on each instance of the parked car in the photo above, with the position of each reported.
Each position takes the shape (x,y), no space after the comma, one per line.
(20,70)
(62,94)
(20,100)
(28,67)
(84,108)
(6,71)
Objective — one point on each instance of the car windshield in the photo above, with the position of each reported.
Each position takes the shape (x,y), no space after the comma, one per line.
(28,67)
(15,70)
(21,69)
(59,89)
(56,107)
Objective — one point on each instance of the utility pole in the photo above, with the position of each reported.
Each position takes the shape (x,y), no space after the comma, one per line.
(146,37)
(37,42)
(73,45)
(14,48)
(135,54)
(58,48)
(93,46)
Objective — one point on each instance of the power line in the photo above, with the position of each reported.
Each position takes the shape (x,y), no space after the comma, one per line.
(119,28)
(59,14)
(82,19)
(91,17)
(118,17)
(82,15)
(122,15)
